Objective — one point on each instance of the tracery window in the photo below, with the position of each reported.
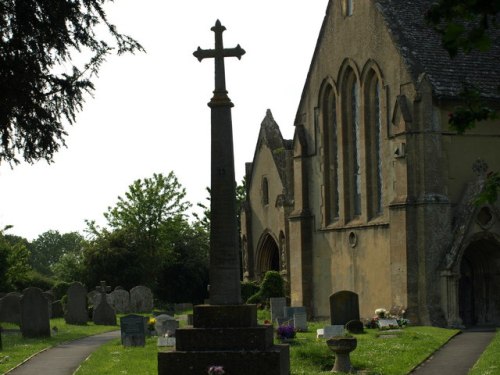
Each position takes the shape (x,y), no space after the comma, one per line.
(351,143)
(330,154)
(373,131)
(265,191)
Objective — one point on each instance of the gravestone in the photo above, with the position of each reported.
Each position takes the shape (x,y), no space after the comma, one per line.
(278,305)
(355,326)
(344,306)
(289,312)
(104,314)
(388,324)
(76,307)
(333,331)
(57,309)
(166,324)
(225,331)
(300,321)
(10,308)
(119,299)
(50,298)
(133,332)
(141,299)
(35,320)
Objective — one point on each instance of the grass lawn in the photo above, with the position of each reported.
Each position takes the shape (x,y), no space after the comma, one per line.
(489,362)
(16,349)
(309,356)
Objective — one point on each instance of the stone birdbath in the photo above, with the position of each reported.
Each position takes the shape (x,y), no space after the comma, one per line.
(342,346)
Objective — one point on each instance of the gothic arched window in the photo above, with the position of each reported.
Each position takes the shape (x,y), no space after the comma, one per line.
(351,143)
(330,155)
(373,131)
(265,191)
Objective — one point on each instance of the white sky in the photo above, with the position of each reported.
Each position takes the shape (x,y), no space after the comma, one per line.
(149,112)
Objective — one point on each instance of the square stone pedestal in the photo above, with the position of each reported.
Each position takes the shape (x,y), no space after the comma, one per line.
(227,336)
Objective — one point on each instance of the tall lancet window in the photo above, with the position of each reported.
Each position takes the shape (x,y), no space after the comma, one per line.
(373,130)
(351,142)
(330,154)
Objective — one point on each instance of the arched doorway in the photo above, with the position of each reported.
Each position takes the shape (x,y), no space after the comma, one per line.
(268,255)
(478,295)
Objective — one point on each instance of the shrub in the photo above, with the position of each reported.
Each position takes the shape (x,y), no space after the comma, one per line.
(60,289)
(272,286)
(248,289)
(35,279)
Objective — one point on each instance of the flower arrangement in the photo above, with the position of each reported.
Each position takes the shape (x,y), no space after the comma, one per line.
(381,313)
(285,332)
(216,370)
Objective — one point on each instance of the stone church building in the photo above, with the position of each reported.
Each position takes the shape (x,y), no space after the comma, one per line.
(375,193)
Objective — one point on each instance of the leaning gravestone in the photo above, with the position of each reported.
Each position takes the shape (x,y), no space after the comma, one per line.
(35,320)
(141,299)
(76,308)
(104,314)
(166,325)
(344,306)
(10,308)
(278,305)
(133,331)
(119,299)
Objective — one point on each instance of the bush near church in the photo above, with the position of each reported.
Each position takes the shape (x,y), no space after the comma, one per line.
(272,286)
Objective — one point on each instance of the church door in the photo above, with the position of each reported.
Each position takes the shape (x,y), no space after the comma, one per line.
(269,256)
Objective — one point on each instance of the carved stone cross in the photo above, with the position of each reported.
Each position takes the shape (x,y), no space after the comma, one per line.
(219,53)
(103,288)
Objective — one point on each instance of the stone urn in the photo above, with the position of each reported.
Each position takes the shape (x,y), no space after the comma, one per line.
(342,346)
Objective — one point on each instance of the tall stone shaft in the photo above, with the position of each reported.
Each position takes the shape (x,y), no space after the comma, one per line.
(224,245)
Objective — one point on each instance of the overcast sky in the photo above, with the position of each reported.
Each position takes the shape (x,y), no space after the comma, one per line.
(149,113)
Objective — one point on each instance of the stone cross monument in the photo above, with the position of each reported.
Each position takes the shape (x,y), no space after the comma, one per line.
(225,332)
(224,246)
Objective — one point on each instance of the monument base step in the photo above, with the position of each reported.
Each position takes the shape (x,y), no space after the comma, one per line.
(274,361)
(220,316)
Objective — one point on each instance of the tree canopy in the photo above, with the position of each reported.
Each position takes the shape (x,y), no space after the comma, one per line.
(41,84)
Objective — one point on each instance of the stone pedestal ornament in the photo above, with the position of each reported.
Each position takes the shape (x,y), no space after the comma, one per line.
(225,332)
(342,346)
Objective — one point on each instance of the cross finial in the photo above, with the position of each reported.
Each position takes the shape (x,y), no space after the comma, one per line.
(103,288)
(218,54)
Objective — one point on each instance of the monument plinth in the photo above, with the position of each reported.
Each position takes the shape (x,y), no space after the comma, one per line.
(225,332)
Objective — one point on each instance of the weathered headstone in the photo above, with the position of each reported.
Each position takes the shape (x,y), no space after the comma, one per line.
(333,331)
(388,324)
(35,320)
(278,305)
(119,299)
(166,324)
(10,308)
(355,326)
(141,299)
(289,312)
(94,298)
(133,331)
(300,321)
(76,307)
(104,314)
(344,306)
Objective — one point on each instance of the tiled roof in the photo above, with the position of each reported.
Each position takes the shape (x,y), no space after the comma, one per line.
(420,47)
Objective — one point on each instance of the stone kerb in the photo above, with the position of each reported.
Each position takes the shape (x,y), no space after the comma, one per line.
(35,320)
(77,304)
(141,299)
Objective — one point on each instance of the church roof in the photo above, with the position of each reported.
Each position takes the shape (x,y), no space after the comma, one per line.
(420,47)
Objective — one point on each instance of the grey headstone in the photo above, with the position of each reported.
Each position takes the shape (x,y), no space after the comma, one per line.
(120,300)
(141,299)
(94,298)
(35,320)
(57,309)
(289,312)
(76,307)
(355,326)
(133,331)
(388,323)
(333,331)
(344,306)
(166,324)
(300,321)
(10,309)
(104,314)
(278,305)
(284,321)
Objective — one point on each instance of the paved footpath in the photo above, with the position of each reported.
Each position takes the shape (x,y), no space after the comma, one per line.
(458,356)
(65,358)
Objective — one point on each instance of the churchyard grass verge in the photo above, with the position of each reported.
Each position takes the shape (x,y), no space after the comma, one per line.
(16,348)
(489,362)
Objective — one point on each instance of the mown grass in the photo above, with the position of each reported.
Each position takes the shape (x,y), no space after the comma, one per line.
(16,348)
(308,355)
(489,362)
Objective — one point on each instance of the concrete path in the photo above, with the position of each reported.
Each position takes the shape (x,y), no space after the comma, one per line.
(65,358)
(458,356)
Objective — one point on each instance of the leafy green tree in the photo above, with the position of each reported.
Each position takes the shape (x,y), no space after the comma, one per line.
(69,267)
(48,248)
(14,265)
(41,84)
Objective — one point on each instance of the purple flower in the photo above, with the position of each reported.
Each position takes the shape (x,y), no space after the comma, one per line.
(216,370)
(285,332)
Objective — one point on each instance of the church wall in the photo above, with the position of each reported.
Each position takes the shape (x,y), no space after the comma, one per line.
(365,269)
